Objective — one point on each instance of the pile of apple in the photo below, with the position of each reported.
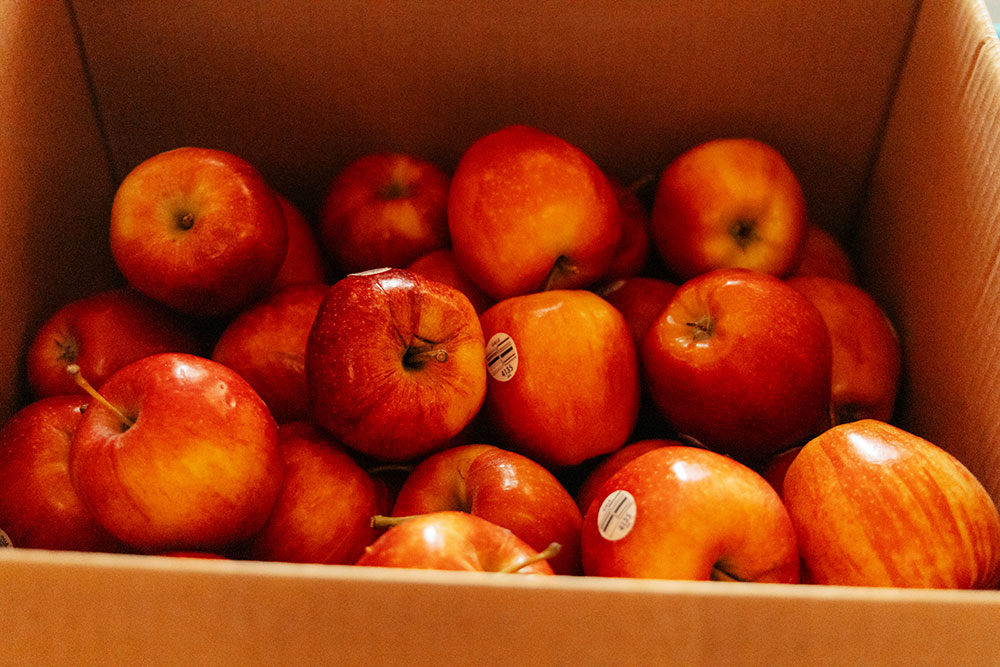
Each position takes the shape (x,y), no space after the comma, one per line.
(553,375)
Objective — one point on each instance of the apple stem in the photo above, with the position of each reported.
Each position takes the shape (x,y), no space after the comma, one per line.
(640,183)
(562,268)
(383,521)
(703,327)
(546,553)
(416,357)
(74,371)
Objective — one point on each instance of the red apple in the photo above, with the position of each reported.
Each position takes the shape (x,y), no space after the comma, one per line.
(100,334)
(564,379)
(640,300)
(182,456)
(395,364)
(440,265)
(874,505)
(822,254)
(304,262)
(866,350)
(689,513)
(39,508)
(777,467)
(728,203)
(632,252)
(611,464)
(503,487)
(384,209)
(452,540)
(529,211)
(199,230)
(323,513)
(740,362)
(266,345)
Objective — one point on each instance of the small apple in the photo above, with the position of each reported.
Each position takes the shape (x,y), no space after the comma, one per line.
(440,265)
(304,261)
(689,513)
(564,378)
(822,254)
(529,211)
(451,540)
(874,505)
(503,487)
(728,203)
(101,333)
(177,453)
(611,464)
(323,513)
(266,345)
(199,230)
(741,362)
(395,364)
(384,209)
(866,349)
(640,299)
(39,508)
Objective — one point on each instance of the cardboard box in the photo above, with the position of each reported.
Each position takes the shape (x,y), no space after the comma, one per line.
(889,111)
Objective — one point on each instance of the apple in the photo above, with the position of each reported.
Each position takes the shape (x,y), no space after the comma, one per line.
(323,512)
(688,513)
(384,209)
(611,464)
(39,508)
(822,254)
(266,345)
(304,261)
(440,265)
(177,453)
(640,299)
(100,333)
(199,230)
(866,349)
(728,203)
(503,487)
(529,211)
(633,249)
(395,364)
(564,378)
(452,540)
(776,468)
(874,505)
(741,362)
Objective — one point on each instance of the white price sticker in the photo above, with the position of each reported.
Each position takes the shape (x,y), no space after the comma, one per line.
(501,357)
(616,516)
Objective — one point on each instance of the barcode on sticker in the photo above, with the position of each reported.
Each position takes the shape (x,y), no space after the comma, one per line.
(501,357)
(4,540)
(616,516)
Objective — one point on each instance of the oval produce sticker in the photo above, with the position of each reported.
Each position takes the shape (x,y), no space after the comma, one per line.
(616,516)
(501,357)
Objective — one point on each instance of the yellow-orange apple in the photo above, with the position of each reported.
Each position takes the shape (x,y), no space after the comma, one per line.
(741,362)
(323,512)
(395,364)
(199,230)
(728,203)
(452,540)
(384,209)
(304,261)
(101,333)
(503,487)
(611,464)
(181,455)
(529,211)
(689,513)
(874,505)
(440,265)
(266,345)
(866,349)
(564,380)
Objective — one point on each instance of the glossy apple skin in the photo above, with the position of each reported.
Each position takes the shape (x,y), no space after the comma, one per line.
(223,256)
(101,333)
(822,254)
(323,513)
(521,201)
(503,487)
(266,345)
(39,508)
(451,540)
(384,209)
(875,505)
(741,362)
(365,385)
(706,193)
(640,299)
(440,265)
(304,261)
(632,253)
(611,464)
(698,515)
(866,349)
(198,470)
(575,360)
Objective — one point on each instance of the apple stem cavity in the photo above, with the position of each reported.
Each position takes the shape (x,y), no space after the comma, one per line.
(744,232)
(546,553)
(719,574)
(562,270)
(418,356)
(703,328)
(74,371)
(396,190)
(185,221)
